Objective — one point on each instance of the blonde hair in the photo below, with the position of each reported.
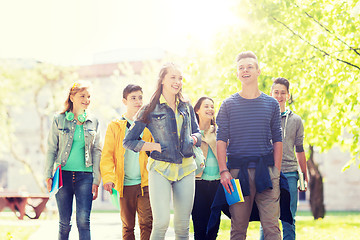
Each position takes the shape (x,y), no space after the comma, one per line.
(75,88)
(247,54)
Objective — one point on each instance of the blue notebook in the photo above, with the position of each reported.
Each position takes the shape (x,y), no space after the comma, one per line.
(57,182)
(237,195)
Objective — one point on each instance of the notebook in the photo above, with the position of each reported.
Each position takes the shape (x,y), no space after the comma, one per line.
(57,181)
(237,195)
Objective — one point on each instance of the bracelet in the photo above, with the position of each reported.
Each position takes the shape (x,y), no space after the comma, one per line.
(225,170)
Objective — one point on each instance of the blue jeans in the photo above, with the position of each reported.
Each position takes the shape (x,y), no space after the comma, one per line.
(80,185)
(204,195)
(289,229)
(160,190)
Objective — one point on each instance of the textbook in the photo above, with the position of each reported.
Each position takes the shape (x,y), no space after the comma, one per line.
(115,198)
(237,195)
(57,181)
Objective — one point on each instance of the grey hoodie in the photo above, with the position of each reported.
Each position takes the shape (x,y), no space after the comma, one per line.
(293,135)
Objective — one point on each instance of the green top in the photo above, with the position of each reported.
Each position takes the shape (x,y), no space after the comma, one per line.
(76,160)
(131,165)
(211,171)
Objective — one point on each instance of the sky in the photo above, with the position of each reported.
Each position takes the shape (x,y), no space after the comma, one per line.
(70,32)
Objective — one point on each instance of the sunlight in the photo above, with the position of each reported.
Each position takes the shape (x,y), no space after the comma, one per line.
(69,32)
(200,20)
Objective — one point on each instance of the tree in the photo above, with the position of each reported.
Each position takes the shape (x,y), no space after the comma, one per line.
(11,81)
(36,88)
(315,45)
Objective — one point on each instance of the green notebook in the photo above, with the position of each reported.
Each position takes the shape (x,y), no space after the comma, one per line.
(115,198)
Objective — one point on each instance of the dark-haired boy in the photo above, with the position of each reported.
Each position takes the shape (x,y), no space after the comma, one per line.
(292,162)
(126,170)
(249,135)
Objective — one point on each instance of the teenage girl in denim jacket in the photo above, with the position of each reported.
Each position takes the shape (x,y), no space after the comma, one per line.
(73,142)
(171,121)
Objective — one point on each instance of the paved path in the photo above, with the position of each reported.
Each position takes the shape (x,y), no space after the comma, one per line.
(104,226)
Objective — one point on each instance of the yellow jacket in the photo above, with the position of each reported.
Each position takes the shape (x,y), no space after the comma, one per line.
(112,157)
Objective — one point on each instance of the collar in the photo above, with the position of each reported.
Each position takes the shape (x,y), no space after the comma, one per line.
(89,117)
(163,100)
(128,120)
(286,113)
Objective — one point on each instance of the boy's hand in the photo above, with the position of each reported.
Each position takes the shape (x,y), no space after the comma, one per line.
(306,184)
(109,186)
(225,180)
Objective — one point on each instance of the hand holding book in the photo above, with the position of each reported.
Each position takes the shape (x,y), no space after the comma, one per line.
(57,182)
(115,198)
(236,195)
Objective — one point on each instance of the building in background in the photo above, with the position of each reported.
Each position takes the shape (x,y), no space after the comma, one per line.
(109,74)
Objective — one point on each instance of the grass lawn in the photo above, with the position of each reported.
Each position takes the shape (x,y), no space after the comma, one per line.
(11,228)
(335,225)
(8,232)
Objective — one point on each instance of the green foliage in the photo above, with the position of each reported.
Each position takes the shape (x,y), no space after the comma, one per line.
(12,232)
(314,44)
(10,85)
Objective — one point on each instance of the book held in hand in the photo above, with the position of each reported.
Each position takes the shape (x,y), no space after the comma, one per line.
(57,182)
(237,195)
(115,198)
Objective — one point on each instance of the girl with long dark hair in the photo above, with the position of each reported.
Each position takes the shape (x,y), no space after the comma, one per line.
(207,182)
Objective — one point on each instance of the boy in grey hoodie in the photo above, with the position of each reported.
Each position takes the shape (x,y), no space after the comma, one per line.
(293,136)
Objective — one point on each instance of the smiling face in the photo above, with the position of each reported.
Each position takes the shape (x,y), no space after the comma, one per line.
(172,81)
(206,110)
(281,94)
(80,100)
(247,70)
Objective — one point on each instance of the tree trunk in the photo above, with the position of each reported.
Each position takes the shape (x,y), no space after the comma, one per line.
(316,187)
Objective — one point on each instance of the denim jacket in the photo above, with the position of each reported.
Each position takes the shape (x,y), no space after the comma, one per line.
(162,125)
(60,141)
